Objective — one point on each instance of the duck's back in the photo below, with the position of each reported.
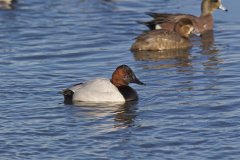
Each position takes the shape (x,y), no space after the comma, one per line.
(160,40)
(163,17)
(97,90)
(167,21)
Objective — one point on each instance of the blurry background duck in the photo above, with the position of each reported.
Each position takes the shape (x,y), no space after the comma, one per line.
(7,4)
(104,90)
(164,39)
(203,23)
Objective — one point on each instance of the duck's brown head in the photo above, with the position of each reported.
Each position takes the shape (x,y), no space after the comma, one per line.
(184,27)
(209,6)
(123,75)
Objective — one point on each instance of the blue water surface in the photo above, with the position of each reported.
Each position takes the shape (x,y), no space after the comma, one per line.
(189,108)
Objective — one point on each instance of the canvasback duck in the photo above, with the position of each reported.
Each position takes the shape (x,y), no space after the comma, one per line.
(115,89)
(203,23)
(163,39)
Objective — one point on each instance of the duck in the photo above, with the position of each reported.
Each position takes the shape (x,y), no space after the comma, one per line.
(6,4)
(7,1)
(116,89)
(203,23)
(162,39)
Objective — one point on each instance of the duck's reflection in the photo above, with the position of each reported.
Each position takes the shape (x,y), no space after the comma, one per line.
(123,114)
(126,114)
(159,55)
(210,51)
(179,57)
(207,40)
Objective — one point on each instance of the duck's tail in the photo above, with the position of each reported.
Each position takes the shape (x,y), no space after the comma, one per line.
(68,96)
(150,24)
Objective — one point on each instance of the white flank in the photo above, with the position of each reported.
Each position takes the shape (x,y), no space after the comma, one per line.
(97,90)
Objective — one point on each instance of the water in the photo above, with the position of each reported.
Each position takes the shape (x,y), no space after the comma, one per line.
(189,108)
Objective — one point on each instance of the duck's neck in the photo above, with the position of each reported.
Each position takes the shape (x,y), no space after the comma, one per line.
(128,93)
(205,8)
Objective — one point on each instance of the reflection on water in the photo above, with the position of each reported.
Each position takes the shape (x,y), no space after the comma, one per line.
(126,114)
(48,44)
(210,51)
(179,57)
(160,55)
(207,40)
(123,113)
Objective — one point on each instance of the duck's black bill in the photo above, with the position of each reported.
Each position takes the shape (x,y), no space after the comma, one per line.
(137,81)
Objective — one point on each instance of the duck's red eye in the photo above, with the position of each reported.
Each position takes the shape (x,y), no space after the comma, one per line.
(215,1)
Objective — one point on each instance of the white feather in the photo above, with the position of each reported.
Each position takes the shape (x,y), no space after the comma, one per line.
(97,90)
(158,26)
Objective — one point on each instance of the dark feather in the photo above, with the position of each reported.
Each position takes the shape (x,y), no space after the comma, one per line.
(128,93)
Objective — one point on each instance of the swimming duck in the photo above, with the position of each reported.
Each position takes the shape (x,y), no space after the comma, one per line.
(163,39)
(6,1)
(6,4)
(203,23)
(115,89)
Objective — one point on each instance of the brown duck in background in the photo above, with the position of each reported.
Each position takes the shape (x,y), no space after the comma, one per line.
(202,23)
(6,4)
(6,1)
(164,39)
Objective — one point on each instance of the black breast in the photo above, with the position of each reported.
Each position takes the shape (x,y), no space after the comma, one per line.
(128,93)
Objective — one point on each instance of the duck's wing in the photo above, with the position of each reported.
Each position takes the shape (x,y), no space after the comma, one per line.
(155,24)
(163,17)
(165,20)
(156,40)
(98,90)
(156,35)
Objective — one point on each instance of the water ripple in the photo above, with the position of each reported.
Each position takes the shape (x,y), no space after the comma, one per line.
(188,109)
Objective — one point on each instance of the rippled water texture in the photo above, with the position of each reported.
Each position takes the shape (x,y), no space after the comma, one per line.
(189,108)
